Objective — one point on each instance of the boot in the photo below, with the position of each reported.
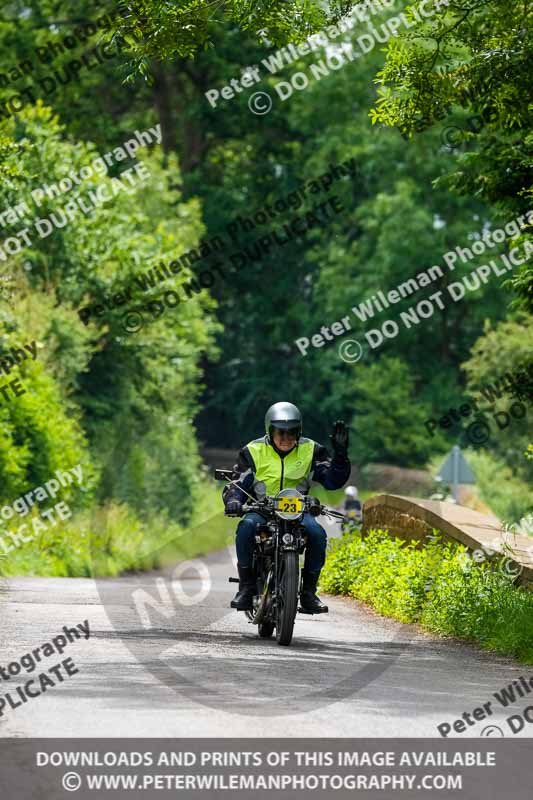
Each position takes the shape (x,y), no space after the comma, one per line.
(309,602)
(247,590)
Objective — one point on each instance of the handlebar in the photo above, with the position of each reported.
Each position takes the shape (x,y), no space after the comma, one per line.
(337,514)
(268,505)
(258,507)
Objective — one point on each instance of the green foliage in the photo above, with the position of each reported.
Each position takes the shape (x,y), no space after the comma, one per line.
(388,418)
(96,104)
(111,539)
(164,30)
(474,55)
(504,350)
(500,487)
(437,586)
(335,498)
(394,225)
(129,400)
(40,430)
(130,406)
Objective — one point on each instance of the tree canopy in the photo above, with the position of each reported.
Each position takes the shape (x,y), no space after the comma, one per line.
(426,142)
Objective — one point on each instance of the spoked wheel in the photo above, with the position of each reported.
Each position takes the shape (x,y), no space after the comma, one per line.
(287,598)
(266,629)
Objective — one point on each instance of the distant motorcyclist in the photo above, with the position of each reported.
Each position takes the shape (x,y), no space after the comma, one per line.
(352,505)
(284,459)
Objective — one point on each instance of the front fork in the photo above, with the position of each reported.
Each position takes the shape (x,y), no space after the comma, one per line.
(264,564)
(299,542)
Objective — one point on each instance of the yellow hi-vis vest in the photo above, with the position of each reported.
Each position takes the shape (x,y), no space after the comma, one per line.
(273,473)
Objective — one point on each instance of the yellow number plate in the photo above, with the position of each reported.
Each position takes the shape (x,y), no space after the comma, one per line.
(290,505)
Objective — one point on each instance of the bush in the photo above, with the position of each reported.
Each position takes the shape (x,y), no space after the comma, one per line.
(435,585)
(500,487)
(112,539)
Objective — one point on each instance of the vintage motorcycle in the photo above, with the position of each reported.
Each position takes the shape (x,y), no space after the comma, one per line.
(351,521)
(276,560)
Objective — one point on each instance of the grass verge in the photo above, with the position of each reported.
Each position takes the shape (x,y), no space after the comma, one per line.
(112,539)
(438,586)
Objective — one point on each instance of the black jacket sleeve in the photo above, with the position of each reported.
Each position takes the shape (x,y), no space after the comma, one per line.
(244,475)
(331,473)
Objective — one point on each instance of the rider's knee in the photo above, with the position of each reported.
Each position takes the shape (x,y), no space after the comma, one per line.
(246,527)
(322,537)
(318,535)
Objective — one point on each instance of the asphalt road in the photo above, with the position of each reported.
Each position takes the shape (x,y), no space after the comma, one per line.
(196,668)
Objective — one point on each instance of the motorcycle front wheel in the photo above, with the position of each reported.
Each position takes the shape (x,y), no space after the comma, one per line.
(287,598)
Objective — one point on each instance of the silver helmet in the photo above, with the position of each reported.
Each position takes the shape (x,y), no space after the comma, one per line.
(284,416)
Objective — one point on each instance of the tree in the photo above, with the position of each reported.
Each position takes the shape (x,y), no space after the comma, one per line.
(126,394)
(502,359)
(388,423)
(394,224)
(164,30)
(474,55)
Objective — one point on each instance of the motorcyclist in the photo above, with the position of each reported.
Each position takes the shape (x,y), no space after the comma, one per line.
(352,503)
(283,459)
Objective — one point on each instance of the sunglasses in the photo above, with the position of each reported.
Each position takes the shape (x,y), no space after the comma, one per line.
(290,434)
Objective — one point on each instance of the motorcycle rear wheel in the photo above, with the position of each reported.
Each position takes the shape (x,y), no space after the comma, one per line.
(287,598)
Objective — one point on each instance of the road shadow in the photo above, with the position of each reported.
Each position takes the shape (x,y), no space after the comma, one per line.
(247,675)
(243,674)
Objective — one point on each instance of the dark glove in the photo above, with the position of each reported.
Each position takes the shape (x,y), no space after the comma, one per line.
(340,439)
(233,508)
(314,506)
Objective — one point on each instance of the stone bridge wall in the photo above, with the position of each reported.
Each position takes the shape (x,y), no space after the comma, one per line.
(413,519)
